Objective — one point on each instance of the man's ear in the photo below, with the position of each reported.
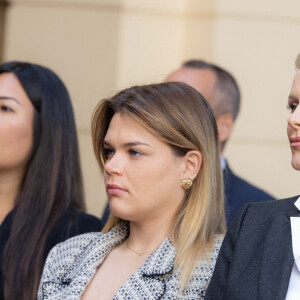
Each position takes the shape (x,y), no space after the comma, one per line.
(192,164)
(225,126)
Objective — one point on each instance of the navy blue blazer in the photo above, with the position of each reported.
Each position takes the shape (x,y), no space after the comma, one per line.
(238,192)
(256,257)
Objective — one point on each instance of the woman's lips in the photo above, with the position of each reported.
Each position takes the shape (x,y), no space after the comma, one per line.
(295,141)
(114,189)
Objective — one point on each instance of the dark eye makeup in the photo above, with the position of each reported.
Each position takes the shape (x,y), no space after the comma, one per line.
(291,107)
(5,108)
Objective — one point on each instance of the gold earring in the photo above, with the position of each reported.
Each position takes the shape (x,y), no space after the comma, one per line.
(186,183)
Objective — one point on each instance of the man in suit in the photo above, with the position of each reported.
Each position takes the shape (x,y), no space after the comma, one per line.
(222,93)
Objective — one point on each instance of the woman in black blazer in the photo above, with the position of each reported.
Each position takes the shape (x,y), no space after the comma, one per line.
(260,257)
(41,192)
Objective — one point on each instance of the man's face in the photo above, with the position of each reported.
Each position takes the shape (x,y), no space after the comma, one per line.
(203,80)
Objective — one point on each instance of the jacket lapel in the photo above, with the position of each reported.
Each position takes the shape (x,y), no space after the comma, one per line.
(149,281)
(278,259)
(78,275)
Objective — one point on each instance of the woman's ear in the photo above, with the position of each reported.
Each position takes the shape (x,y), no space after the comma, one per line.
(193,162)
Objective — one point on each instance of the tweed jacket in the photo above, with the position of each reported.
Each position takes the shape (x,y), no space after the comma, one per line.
(71,265)
(256,258)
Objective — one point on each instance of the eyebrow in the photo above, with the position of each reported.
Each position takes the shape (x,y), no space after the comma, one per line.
(129,144)
(10,98)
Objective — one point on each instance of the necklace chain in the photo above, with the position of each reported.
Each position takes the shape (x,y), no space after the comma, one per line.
(136,252)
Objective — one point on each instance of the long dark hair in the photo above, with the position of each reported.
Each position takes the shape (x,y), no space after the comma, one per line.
(52,182)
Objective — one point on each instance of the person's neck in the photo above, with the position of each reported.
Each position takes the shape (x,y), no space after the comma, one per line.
(145,237)
(9,187)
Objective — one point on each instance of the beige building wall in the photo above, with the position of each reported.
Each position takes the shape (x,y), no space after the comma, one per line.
(100,46)
(3,5)
(257,40)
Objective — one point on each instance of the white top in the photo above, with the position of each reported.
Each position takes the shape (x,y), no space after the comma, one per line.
(293,292)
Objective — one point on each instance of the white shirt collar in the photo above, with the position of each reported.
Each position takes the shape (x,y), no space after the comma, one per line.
(297,203)
(293,292)
(295,229)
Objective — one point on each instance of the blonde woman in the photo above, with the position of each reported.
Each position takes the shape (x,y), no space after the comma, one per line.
(157,146)
(260,256)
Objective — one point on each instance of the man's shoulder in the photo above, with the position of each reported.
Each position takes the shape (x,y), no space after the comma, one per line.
(237,186)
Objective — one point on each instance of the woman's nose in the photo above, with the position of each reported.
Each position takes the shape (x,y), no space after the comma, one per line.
(294,119)
(113,165)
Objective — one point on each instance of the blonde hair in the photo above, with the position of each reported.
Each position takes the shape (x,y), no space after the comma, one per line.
(180,117)
(297,62)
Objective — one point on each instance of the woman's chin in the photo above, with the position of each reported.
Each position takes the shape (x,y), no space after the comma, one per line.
(296,164)
(119,213)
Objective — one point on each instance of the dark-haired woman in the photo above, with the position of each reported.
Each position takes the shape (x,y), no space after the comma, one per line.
(41,192)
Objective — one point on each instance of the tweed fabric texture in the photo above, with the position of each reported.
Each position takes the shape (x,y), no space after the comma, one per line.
(71,265)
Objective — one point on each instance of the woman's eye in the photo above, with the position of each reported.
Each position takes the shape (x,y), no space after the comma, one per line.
(134,153)
(6,108)
(108,152)
(291,107)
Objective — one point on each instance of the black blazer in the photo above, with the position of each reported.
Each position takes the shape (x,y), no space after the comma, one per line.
(238,192)
(72,223)
(256,258)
